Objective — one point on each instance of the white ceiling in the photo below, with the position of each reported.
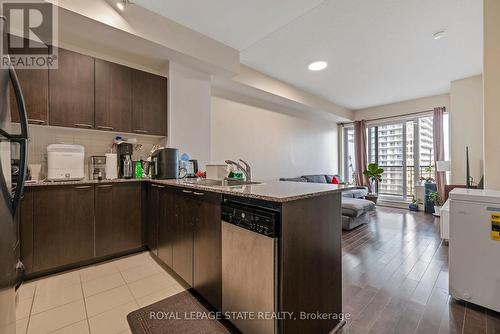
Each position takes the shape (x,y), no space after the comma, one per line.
(237,23)
(379,51)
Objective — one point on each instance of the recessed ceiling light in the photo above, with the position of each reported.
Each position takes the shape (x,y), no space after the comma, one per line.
(439,34)
(318,65)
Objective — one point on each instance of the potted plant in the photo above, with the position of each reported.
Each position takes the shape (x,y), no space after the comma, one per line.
(428,179)
(434,198)
(374,174)
(413,206)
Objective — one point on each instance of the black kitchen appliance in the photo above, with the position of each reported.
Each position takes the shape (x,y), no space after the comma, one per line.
(192,168)
(125,164)
(258,217)
(165,164)
(13,142)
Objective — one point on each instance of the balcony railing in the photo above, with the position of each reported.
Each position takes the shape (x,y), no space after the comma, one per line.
(393,178)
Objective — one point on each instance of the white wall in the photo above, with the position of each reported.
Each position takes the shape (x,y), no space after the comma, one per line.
(491,93)
(404,107)
(275,144)
(466,128)
(189,112)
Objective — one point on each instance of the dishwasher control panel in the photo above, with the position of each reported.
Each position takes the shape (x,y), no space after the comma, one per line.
(256,219)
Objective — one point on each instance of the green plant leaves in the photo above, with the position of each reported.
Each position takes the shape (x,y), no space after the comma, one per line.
(373,171)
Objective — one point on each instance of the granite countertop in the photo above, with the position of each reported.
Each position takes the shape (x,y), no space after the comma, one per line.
(45,183)
(273,191)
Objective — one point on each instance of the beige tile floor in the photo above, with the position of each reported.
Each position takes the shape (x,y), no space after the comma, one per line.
(94,299)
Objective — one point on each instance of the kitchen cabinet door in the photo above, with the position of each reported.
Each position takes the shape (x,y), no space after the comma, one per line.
(207,254)
(71,93)
(63,225)
(35,87)
(167,220)
(149,103)
(182,250)
(153,215)
(113,96)
(118,226)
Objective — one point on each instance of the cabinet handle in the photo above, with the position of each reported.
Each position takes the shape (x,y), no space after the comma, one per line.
(102,127)
(83,187)
(36,121)
(198,194)
(187,191)
(83,125)
(140,131)
(104,186)
(161,187)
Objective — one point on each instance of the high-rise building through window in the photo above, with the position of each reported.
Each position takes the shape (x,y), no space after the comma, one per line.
(403,148)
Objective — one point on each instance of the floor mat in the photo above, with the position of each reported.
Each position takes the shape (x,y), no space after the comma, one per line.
(181,313)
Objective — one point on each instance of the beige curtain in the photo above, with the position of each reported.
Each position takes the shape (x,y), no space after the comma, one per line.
(360,152)
(438,139)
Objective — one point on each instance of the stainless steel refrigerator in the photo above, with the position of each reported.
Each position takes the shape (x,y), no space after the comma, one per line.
(13,144)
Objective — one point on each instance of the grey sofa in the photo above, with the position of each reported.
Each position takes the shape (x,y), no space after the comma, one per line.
(355,209)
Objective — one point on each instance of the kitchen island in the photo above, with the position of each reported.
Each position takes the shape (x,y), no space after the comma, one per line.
(307,281)
(180,223)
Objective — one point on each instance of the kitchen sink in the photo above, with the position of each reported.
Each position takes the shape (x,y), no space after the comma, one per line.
(220,183)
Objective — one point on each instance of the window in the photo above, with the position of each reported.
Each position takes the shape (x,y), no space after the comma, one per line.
(403,148)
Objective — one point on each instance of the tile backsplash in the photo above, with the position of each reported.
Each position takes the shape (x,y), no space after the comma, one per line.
(95,143)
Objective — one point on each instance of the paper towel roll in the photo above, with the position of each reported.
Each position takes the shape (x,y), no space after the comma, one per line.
(111,166)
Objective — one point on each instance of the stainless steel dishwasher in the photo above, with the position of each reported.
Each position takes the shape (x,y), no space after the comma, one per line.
(249,264)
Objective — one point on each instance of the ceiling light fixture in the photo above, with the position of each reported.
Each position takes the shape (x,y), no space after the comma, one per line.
(122,4)
(318,65)
(439,34)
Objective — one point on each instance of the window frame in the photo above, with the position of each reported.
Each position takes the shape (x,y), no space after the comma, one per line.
(415,118)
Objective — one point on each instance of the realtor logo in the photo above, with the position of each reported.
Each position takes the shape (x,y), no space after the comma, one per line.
(29,33)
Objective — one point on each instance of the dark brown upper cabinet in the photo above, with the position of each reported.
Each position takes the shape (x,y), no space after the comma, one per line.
(71,93)
(149,103)
(35,88)
(113,96)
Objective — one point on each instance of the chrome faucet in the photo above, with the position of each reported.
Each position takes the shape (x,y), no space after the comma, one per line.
(246,169)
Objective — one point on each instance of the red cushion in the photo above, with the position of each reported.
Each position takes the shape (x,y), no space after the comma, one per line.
(335,180)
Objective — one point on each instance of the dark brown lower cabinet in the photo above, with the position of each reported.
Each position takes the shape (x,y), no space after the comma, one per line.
(118,218)
(63,226)
(182,239)
(168,205)
(153,215)
(207,248)
(189,238)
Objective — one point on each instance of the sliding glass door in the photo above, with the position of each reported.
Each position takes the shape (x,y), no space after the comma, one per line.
(404,149)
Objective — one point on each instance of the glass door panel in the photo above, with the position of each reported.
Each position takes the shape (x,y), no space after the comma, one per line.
(390,153)
(410,159)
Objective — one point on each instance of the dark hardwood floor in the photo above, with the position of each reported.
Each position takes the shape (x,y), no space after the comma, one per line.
(395,279)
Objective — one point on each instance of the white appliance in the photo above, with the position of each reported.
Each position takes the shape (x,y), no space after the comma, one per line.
(444,221)
(216,172)
(65,162)
(111,166)
(475,246)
